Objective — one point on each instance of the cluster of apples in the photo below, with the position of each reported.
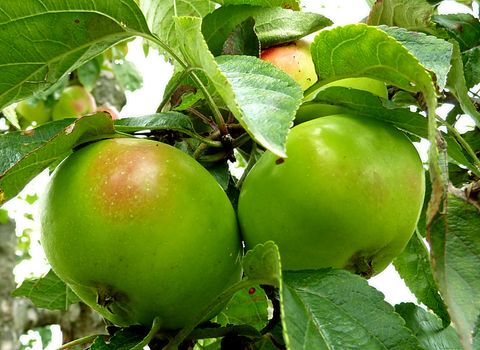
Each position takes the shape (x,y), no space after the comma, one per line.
(73,102)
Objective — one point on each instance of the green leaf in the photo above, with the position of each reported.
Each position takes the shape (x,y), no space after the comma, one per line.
(123,339)
(367,105)
(333,309)
(4,218)
(287,4)
(10,114)
(48,292)
(263,263)
(358,50)
(473,139)
(248,306)
(173,121)
(410,14)
(262,98)
(31,198)
(433,53)
(278,27)
(265,99)
(455,253)
(23,155)
(242,40)
(220,172)
(161,121)
(471,66)
(40,56)
(160,16)
(463,27)
(272,25)
(458,86)
(89,72)
(428,329)
(413,265)
(128,75)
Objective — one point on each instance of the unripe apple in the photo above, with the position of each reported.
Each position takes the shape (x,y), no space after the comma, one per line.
(139,230)
(34,110)
(294,59)
(74,102)
(349,195)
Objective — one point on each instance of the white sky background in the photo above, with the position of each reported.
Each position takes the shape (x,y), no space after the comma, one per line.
(156,73)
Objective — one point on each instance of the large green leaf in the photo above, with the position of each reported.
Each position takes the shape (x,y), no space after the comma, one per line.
(333,309)
(428,329)
(266,97)
(359,50)
(41,40)
(288,4)
(23,155)
(413,265)
(409,14)
(455,252)
(262,98)
(48,292)
(272,25)
(160,16)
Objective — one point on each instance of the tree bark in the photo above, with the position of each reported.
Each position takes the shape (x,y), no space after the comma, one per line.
(18,315)
(8,334)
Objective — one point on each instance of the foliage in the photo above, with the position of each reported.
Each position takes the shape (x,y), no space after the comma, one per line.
(225,103)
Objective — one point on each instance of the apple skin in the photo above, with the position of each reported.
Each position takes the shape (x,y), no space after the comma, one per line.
(138,229)
(34,111)
(312,110)
(74,102)
(294,59)
(348,195)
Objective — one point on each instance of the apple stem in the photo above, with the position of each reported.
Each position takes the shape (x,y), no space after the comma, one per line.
(251,161)
(81,341)
(191,70)
(156,325)
(463,143)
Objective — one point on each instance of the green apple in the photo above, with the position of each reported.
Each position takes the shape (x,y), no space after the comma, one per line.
(34,110)
(348,195)
(138,230)
(74,102)
(312,110)
(294,59)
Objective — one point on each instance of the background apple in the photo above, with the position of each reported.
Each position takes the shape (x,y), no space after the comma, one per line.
(294,59)
(348,196)
(74,102)
(34,110)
